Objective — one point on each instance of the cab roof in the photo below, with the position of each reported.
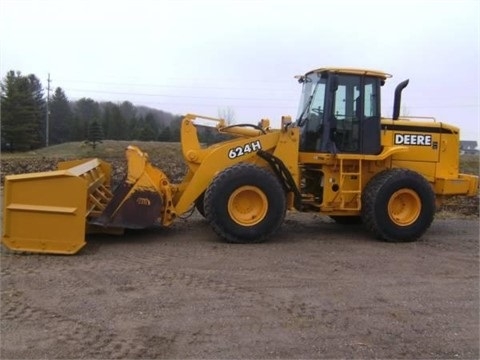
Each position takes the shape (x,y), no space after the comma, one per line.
(353,71)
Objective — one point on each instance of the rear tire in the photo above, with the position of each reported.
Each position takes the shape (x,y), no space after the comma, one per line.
(245,204)
(398,205)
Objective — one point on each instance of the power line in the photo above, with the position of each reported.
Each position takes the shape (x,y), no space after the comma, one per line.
(245,99)
(246,106)
(191,82)
(458,106)
(233,98)
(189,86)
(194,86)
(175,96)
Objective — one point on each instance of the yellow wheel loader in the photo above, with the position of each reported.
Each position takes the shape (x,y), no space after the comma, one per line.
(339,158)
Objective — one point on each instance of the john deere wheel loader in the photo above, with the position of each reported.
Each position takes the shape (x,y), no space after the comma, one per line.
(339,158)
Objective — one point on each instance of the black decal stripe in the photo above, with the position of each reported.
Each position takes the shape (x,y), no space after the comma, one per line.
(413,128)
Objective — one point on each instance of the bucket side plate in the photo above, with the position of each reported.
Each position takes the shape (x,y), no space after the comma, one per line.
(44,212)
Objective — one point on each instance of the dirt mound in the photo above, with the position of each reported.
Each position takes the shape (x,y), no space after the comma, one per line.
(174,169)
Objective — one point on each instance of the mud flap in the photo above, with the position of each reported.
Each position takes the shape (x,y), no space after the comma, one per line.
(131,208)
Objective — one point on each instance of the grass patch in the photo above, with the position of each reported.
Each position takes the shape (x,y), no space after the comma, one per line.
(107,149)
(470,164)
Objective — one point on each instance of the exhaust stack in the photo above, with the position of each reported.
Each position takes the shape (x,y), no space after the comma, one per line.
(398,98)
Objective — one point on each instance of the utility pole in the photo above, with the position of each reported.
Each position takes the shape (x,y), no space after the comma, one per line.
(47,130)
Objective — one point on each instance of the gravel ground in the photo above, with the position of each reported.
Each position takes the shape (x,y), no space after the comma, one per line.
(317,290)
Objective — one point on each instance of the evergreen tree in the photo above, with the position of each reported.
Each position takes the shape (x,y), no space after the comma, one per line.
(132,128)
(107,122)
(61,118)
(119,130)
(128,110)
(23,117)
(148,129)
(77,130)
(39,107)
(165,134)
(23,112)
(85,111)
(95,134)
(175,129)
(115,125)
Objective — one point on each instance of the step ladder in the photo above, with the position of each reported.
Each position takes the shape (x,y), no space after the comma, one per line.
(356,190)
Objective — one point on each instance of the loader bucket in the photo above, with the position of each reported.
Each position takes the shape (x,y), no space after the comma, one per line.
(137,202)
(46,212)
(131,208)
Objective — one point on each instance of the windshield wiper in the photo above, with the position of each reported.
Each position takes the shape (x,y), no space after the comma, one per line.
(307,106)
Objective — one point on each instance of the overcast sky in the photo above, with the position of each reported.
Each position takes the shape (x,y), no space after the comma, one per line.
(201,56)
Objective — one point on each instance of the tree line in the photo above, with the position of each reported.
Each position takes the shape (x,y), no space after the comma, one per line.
(24,118)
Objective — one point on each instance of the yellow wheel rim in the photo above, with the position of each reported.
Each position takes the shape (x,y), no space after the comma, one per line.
(247,205)
(404,207)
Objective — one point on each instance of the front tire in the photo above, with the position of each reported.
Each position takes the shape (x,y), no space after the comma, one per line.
(245,204)
(398,205)
(200,204)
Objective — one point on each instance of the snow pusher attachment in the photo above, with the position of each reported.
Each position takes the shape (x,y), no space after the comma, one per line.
(50,212)
(47,211)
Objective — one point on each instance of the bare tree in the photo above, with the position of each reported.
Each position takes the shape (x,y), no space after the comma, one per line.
(227,113)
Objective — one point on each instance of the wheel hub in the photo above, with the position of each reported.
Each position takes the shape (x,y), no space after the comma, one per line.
(404,207)
(247,205)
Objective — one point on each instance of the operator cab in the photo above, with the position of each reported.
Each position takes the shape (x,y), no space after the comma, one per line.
(339,111)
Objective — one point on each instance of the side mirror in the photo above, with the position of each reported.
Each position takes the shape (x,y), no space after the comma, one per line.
(300,78)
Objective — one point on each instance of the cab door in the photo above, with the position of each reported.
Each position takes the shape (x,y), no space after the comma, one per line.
(355,122)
